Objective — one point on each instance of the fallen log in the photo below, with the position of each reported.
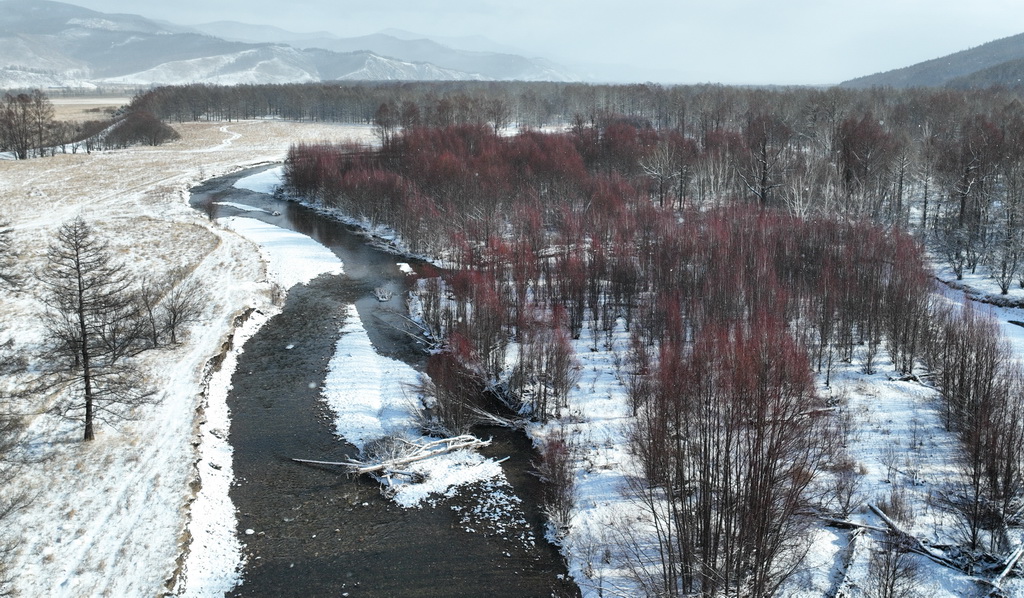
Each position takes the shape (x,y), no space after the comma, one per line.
(846,523)
(1011,562)
(913,544)
(414,453)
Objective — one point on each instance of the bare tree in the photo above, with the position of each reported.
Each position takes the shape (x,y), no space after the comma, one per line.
(26,120)
(12,497)
(893,572)
(88,296)
(557,469)
(385,122)
(182,303)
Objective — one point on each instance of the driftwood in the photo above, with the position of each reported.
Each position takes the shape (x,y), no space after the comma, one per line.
(412,453)
(1009,563)
(846,523)
(912,543)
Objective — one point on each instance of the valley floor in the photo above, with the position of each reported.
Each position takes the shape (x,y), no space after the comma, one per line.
(108,518)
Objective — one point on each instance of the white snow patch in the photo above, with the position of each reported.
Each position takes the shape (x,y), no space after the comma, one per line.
(445,474)
(264,182)
(214,562)
(243,207)
(367,391)
(292,258)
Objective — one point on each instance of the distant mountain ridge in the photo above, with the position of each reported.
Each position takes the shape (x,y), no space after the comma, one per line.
(53,44)
(402,46)
(995,62)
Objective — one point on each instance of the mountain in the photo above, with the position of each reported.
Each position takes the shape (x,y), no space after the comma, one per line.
(471,43)
(995,62)
(1009,74)
(482,59)
(53,44)
(255,34)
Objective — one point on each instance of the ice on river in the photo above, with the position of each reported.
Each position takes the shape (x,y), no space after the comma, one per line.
(263,182)
(371,398)
(292,258)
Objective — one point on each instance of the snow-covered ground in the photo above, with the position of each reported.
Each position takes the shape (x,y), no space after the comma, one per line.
(109,518)
(112,517)
(212,565)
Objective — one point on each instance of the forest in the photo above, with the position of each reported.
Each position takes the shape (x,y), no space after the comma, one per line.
(28,128)
(748,240)
(731,310)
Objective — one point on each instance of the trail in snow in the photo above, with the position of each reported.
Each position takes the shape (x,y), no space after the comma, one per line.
(232,137)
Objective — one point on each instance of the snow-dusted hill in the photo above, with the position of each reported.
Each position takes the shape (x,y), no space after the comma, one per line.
(51,44)
(376,68)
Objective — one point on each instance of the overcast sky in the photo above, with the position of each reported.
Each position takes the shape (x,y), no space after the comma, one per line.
(671,41)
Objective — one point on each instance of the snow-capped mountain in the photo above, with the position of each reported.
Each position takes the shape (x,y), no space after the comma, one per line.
(53,44)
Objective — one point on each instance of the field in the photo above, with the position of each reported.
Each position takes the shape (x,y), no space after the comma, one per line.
(108,518)
(82,108)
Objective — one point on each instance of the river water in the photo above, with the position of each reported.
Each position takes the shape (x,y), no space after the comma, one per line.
(315,532)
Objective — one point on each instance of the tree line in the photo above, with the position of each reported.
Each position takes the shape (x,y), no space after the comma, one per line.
(28,128)
(731,308)
(945,164)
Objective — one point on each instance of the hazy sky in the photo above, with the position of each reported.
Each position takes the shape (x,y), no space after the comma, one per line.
(672,41)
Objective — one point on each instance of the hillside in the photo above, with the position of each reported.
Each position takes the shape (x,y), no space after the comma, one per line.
(1009,74)
(981,66)
(51,44)
(403,46)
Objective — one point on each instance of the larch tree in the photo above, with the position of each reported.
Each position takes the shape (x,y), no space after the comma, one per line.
(12,498)
(89,351)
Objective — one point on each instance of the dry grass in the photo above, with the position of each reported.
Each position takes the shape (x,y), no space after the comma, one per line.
(87,108)
(136,198)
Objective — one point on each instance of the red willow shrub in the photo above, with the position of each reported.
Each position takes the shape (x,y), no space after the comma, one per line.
(728,449)
(558,220)
(729,308)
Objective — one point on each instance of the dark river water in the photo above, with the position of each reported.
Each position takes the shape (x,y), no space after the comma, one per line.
(315,532)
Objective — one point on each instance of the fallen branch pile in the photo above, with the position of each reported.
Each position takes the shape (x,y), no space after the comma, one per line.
(405,453)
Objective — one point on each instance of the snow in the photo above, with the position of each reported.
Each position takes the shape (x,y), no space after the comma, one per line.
(264,182)
(213,565)
(291,258)
(892,421)
(597,424)
(367,392)
(447,474)
(243,207)
(113,517)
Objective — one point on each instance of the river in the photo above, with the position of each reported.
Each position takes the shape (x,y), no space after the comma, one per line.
(316,532)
